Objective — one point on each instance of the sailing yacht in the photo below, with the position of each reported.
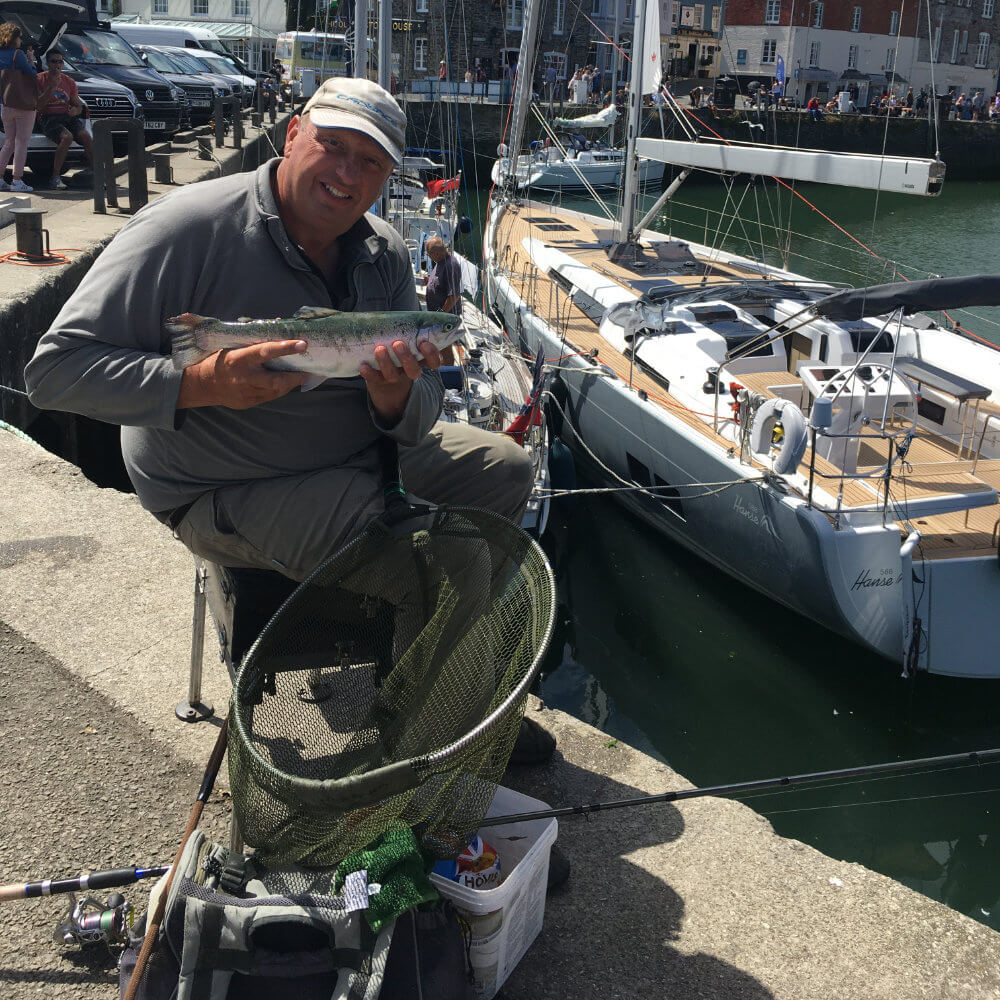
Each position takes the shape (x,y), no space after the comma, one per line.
(490,385)
(836,449)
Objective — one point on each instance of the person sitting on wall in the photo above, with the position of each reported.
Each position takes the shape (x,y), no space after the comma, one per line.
(815,112)
(61,117)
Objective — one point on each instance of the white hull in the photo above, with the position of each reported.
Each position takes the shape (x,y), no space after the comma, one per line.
(847,572)
(600,170)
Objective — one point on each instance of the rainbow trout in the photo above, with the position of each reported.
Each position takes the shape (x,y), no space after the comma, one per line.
(338,342)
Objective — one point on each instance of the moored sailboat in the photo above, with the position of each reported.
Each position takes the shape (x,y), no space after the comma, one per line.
(837,450)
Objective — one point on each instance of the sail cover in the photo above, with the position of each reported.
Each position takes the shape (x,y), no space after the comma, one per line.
(912,296)
(652,69)
(602,119)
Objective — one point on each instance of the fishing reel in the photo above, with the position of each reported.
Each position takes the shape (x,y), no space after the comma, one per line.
(88,921)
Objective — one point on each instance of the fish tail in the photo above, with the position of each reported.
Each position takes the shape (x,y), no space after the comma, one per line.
(184,338)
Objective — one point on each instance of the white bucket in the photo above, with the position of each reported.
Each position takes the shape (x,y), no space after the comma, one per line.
(505,920)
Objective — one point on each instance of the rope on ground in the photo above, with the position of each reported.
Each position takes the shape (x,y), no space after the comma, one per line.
(54,258)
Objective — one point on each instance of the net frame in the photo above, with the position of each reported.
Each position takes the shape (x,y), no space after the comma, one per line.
(341,796)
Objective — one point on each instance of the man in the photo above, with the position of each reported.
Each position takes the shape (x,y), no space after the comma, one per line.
(550,84)
(247,470)
(244,468)
(59,118)
(444,284)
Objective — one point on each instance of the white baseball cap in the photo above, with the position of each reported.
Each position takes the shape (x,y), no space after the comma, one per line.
(360,105)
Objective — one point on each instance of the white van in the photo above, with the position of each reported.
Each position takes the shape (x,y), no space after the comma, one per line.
(164,34)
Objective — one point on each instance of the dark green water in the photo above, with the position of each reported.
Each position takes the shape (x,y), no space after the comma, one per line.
(661,651)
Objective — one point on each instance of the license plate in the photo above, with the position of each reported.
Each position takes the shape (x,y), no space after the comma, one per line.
(201,104)
(161,126)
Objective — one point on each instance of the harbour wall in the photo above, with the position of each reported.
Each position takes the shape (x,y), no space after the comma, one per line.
(971,150)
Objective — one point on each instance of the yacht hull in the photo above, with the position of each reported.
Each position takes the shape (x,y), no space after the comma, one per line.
(850,576)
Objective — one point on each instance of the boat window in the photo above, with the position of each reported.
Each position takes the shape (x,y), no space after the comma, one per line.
(739,333)
(864,335)
(931,410)
(712,314)
(823,344)
(666,494)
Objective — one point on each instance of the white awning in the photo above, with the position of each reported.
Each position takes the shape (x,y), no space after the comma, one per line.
(246,30)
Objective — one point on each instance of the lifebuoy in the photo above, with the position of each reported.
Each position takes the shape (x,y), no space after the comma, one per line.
(780,424)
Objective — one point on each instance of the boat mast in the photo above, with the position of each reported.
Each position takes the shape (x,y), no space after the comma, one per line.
(361,38)
(615,44)
(525,74)
(625,233)
(384,69)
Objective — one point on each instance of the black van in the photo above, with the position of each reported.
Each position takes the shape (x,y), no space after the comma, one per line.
(97,51)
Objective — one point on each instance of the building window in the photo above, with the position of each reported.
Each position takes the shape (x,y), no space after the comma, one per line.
(894,22)
(741,57)
(515,14)
(890,60)
(628,10)
(856,20)
(814,54)
(772,14)
(560,18)
(963,45)
(954,45)
(241,8)
(987,8)
(420,54)
(852,57)
(421,7)
(699,16)
(770,50)
(595,8)
(159,6)
(104,6)
(716,19)
(818,15)
(936,44)
(199,8)
(557,60)
(983,52)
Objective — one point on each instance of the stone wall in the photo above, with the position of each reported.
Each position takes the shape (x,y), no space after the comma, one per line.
(970,150)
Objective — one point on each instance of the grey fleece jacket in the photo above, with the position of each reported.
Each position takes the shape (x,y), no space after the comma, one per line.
(219,248)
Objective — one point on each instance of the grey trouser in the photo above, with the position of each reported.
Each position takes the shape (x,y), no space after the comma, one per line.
(293,523)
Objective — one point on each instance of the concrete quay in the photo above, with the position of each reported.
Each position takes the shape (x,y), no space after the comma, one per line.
(696,900)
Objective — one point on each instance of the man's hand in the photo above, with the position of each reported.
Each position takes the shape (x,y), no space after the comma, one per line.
(237,378)
(389,386)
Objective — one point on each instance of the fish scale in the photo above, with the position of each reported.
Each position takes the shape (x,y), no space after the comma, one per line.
(338,343)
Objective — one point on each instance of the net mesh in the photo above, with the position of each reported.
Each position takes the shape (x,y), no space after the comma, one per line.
(389,688)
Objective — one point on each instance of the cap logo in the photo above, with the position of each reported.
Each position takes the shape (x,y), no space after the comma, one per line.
(370,107)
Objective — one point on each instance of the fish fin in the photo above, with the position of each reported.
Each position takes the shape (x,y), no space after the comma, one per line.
(186,321)
(312,381)
(314,312)
(185,347)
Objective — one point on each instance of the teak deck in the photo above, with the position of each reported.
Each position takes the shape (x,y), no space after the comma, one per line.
(933,464)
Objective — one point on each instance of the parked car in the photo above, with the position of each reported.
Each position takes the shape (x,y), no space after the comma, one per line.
(98,52)
(210,62)
(201,88)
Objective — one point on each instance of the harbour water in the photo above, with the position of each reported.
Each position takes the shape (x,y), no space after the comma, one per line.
(659,650)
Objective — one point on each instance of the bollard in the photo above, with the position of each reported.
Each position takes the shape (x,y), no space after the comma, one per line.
(205,147)
(220,122)
(271,114)
(105,185)
(162,171)
(237,127)
(255,119)
(30,233)
(236,111)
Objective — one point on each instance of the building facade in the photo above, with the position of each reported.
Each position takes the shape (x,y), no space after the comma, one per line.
(833,45)
(248,30)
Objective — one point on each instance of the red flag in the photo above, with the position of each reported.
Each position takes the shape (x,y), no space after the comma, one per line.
(437,188)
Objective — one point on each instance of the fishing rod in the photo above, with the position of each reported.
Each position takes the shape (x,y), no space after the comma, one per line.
(112,877)
(734,788)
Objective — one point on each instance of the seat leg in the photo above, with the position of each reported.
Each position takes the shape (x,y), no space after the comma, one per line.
(194,709)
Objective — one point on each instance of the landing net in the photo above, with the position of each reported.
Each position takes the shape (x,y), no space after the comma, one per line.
(388,689)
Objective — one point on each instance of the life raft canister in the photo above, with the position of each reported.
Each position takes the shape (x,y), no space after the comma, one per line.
(780,424)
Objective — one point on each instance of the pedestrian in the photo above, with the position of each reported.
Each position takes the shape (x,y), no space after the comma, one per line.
(60,118)
(483,79)
(231,456)
(20,97)
(815,112)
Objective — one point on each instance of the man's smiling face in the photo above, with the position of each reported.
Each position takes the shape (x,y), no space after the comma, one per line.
(328,178)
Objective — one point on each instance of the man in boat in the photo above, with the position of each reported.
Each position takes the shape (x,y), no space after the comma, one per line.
(444,283)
